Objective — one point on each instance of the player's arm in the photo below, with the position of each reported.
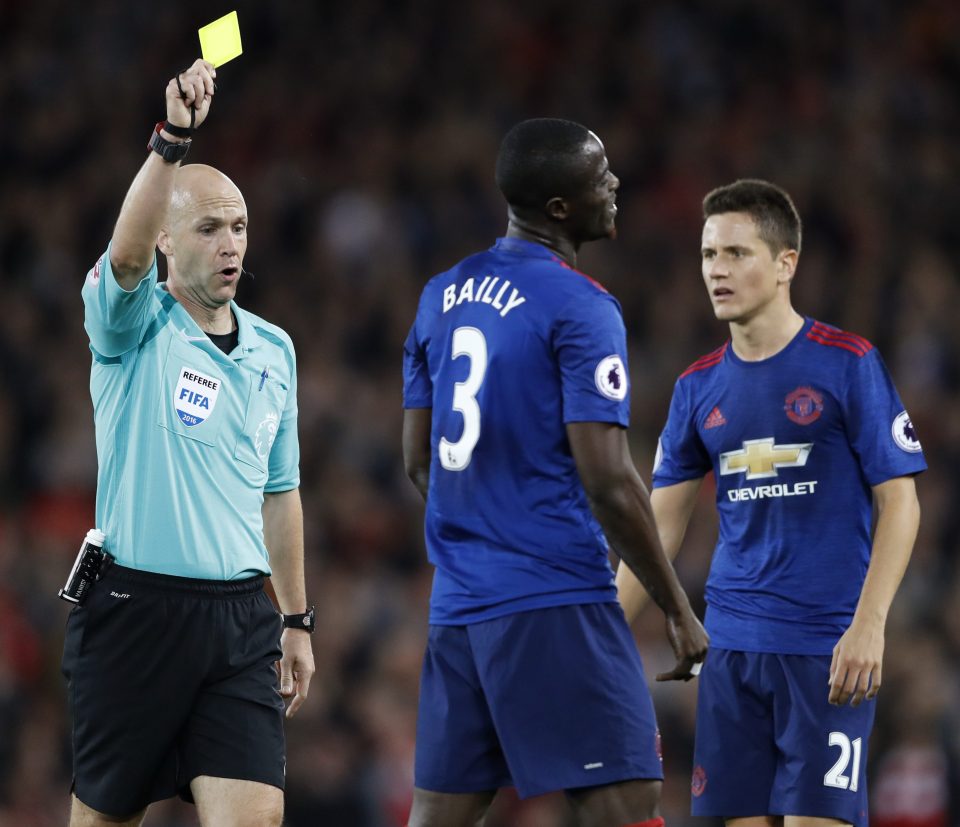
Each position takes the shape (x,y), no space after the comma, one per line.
(672,506)
(416,447)
(144,209)
(856,670)
(283,537)
(621,504)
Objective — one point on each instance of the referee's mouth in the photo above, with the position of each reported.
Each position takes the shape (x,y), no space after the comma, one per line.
(230,273)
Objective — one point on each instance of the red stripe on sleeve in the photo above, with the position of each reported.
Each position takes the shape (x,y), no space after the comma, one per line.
(707,361)
(835,333)
(836,343)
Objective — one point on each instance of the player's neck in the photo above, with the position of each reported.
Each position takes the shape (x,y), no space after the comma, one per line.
(529,231)
(765,334)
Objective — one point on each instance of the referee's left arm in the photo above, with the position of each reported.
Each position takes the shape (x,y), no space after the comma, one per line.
(283,537)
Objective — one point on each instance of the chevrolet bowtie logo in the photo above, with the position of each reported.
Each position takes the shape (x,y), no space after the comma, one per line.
(761,458)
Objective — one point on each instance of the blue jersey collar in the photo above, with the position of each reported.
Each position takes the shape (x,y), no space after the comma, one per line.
(780,354)
(522,247)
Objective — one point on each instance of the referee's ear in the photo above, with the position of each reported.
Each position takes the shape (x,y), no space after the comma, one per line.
(165,242)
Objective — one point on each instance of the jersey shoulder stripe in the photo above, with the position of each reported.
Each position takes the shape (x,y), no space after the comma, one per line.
(708,361)
(591,279)
(834,337)
(842,334)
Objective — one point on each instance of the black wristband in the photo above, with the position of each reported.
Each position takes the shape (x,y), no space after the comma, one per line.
(307,621)
(170,151)
(177,131)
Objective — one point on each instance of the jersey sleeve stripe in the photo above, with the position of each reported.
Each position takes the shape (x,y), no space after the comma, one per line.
(707,361)
(713,354)
(842,334)
(700,366)
(591,279)
(835,333)
(860,345)
(837,343)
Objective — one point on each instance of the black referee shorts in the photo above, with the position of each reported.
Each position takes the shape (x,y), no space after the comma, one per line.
(170,678)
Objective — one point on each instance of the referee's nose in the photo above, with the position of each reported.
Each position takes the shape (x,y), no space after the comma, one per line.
(228,245)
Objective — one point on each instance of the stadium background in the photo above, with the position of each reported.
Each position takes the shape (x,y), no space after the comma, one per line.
(363,136)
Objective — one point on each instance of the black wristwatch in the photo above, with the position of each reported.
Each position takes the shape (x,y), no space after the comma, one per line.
(170,151)
(307,621)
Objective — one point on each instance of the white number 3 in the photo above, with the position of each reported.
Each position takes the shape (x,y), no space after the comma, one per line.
(467,341)
(835,776)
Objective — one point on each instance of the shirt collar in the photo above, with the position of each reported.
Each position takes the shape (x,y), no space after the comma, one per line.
(520,246)
(248,339)
(190,331)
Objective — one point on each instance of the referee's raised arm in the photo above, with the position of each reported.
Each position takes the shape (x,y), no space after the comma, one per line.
(133,246)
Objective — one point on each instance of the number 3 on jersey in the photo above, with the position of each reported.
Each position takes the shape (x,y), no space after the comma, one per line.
(469,342)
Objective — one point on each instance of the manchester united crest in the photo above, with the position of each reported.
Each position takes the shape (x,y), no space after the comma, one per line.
(803,405)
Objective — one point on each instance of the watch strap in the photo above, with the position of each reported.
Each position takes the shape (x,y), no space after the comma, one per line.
(170,151)
(306,621)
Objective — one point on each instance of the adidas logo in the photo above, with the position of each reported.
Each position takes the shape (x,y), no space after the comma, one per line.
(715,419)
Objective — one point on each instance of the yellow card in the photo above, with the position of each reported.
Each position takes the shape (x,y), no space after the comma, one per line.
(220,40)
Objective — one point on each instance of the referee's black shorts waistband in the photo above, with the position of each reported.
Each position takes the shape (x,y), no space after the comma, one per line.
(184,585)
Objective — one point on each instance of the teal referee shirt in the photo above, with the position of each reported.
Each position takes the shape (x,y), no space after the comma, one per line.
(188,438)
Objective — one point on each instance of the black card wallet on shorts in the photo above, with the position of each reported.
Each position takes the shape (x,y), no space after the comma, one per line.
(86,568)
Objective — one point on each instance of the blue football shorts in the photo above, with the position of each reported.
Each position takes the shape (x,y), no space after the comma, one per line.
(543,700)
(768,743)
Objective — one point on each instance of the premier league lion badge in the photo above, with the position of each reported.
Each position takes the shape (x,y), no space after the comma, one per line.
(904,435)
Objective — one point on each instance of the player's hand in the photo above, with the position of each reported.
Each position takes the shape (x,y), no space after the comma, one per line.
(857,665)
(689,641)
(198,89)
(296,667)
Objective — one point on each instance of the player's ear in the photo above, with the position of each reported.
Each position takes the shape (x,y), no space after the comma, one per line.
(786,265)
(558,209)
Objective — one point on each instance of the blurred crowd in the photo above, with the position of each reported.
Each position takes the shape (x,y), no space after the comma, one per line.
(363,136)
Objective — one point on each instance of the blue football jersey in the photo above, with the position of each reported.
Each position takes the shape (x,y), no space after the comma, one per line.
(507,347)
(795,443)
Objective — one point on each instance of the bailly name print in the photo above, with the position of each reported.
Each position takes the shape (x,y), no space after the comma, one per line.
(483,294)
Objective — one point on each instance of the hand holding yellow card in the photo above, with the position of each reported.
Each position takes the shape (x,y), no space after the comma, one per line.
(220,40)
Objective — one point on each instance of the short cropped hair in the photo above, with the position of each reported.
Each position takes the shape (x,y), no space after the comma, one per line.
(540,159)
(771,208)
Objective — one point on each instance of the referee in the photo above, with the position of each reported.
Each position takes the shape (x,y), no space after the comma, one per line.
(171,661)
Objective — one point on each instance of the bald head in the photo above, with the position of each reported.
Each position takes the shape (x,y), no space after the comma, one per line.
(204,237)
(202,189)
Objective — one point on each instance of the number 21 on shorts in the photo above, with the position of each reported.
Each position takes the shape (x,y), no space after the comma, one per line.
(835,775)
(469,342)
